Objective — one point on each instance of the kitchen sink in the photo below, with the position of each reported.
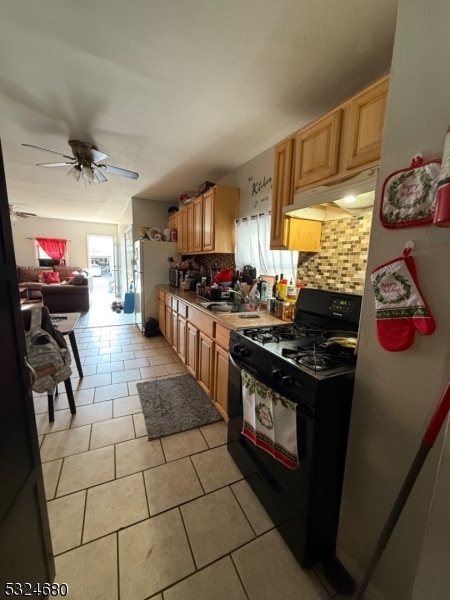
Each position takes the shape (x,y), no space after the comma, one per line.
(227,308)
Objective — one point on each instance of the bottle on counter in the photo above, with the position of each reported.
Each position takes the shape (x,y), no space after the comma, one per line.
(287,311)
(275,287)
(282,287)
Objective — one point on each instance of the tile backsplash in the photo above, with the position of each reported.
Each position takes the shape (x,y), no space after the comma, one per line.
(341,263)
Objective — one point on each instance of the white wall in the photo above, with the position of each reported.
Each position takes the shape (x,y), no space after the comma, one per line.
(26,230)
(254,179)
(396,393)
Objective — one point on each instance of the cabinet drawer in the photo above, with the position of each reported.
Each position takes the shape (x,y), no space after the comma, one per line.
(174,303)
(168,300)
(222,336)
(201,321)
(161,295)
(182,309)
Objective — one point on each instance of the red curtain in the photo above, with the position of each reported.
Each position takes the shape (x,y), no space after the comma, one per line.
(55,248)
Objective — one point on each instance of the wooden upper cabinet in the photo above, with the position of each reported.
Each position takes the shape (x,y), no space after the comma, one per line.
(285,233)
(282,190)
(365,132)
(317,150)
(343,142)
(197,224)
(207,223)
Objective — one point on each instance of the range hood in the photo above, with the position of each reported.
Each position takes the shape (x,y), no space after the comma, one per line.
(351,197)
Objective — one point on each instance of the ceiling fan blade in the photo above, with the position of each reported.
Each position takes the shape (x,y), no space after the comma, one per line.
(119,171)
(84,150)
(56,164)
(52,151)
(99,177)
(24,215)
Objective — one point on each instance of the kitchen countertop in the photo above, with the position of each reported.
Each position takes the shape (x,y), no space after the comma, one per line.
(227,319)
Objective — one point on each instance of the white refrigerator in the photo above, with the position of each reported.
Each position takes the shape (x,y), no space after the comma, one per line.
(150,267)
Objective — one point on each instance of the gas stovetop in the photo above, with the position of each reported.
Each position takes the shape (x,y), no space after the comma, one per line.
(301,344)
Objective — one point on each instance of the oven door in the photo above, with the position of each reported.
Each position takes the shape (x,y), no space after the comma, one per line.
(284,481)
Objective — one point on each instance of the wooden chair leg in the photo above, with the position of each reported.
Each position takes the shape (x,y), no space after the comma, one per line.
(51,399)
(70,396)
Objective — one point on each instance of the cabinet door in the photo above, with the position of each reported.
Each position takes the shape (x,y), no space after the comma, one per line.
(220,395)
(205,362)
(182,231)
(208,221)
(182,331)
(162,316)
(191,349)
(190,228)
(282,194)
(174,329)
(168,321)
(366,126)
(197,224)
(317,150)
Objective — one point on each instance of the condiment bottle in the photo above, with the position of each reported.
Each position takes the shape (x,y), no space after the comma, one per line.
(282,286)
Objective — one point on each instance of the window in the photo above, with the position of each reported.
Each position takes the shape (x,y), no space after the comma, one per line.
(253,248)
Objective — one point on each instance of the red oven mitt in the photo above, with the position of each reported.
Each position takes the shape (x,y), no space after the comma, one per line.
(400,307)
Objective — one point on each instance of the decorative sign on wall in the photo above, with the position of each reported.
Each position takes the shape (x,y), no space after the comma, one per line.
(259,191)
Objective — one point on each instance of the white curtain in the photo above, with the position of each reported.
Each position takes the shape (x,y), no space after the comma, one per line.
(253,248)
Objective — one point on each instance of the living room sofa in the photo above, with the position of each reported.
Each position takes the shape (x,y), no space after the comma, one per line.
(69,289)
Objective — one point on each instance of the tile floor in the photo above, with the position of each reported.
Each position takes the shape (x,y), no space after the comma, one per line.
(168,519)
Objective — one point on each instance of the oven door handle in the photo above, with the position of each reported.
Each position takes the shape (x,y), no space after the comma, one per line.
(233,362)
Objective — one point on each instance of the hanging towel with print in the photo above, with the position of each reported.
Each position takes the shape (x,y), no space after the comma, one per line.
(270,421)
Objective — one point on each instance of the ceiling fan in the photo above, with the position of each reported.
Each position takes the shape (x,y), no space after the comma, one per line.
(85,163)
(15,214)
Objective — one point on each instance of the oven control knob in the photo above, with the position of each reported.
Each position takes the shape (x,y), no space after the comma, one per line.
(242,351)
(277,374)
(287,380)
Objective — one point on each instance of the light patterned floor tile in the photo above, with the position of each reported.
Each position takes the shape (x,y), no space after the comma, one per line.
(110,392)
(137,455)
(218,581)
(112,432)
(150,372)
(216,468)
(183,444)
(92,413)
(51,471)
(127,406)
(85,470)
(215,434)
(252,507)
(153,555)
(126,375)
(268,570)
(90,571)
(65,443)
(171,484)
(215,525)
(114,505)
(139,425)
(66,521)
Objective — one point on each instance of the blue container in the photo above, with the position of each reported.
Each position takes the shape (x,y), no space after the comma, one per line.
(128,305)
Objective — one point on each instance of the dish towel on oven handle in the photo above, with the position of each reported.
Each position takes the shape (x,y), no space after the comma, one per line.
(270,421)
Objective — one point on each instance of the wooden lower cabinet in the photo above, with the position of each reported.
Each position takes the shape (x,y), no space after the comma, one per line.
(182,332)
(205,362)
(162,316)
(220,393)
(202,345)
(191,349)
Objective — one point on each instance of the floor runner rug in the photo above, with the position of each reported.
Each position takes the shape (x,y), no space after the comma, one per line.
(174,404)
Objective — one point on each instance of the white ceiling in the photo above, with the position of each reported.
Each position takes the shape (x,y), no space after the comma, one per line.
(181,91)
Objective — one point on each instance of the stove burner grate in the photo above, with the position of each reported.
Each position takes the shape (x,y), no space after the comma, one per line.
(317,357)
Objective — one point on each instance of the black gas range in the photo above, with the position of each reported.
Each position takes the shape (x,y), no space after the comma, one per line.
(295,361)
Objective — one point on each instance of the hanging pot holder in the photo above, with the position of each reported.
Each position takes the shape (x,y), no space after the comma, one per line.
(409,195)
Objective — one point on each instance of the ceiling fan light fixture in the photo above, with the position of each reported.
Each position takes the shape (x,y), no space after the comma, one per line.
(88,174)
(75,172)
